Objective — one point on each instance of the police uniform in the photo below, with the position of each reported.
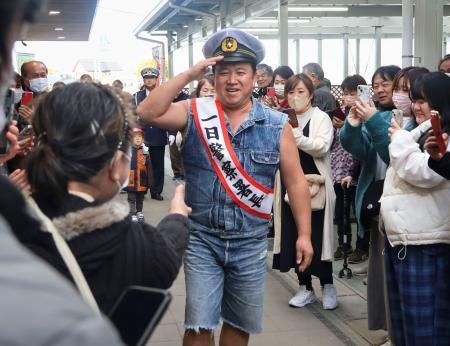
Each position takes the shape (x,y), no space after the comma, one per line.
(225,262)
(155,139)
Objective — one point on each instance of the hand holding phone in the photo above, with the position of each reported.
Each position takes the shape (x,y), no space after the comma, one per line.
(338,113)
(437,130)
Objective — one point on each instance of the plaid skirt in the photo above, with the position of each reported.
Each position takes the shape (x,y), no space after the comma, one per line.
(418,282)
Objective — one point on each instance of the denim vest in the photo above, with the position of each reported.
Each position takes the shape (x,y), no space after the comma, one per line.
(257,147)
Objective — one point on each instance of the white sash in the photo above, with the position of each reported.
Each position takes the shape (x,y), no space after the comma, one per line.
(240,186)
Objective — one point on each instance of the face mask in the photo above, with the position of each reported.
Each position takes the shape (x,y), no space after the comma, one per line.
(17,95)
(402,102)
(349,101)
(121,186)
(38,85)
(279,90)
(448,74)
(298,103)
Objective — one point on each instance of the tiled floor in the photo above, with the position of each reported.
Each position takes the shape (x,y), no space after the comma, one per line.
(282,325)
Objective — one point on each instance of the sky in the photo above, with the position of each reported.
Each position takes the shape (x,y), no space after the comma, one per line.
(112,39)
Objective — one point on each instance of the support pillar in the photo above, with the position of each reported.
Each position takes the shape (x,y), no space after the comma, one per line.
(407,33)
(358,56)
(428,33)
(319,51)
(377,46)
(283,30)
(170,53)
(345,42)
(191,58)
(297,55)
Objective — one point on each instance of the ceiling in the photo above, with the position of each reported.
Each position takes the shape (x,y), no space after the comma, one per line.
(75,18)
(199,18)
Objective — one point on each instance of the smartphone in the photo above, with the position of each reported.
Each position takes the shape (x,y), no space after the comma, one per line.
(137,312)
(27,98)
(271,92)
(363,92)
(397,114)
(8,108)
(26,132)
(292,116)
(437,130)
(338,113)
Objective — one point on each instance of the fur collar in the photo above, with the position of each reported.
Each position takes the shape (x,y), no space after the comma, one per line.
(86,220)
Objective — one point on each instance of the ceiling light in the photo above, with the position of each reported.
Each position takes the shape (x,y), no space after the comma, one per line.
(198,19)
(185,26)
(61,37)
(59,29)
(261,30)
(275,21)
(54,13)
(318,9)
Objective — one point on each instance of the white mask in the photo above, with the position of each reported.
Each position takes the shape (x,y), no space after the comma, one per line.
(17,95)
(279,90)
(298,103)
(38,85)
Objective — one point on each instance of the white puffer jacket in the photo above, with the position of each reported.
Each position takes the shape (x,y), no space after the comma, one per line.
(415,206)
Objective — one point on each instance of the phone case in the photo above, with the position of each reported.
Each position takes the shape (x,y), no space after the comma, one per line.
(435,123)
(271,91)
(363,92)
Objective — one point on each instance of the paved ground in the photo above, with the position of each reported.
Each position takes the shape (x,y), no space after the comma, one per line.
(282,325)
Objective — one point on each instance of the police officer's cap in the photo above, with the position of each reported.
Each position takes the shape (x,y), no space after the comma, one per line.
(150,72)
(235,45)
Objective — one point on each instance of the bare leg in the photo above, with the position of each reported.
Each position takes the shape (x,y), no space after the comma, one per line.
(231,336)
(204,338)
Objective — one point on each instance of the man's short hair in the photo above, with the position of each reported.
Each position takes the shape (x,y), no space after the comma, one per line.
(265,68)
(351,83)
(315,68)
(23,68)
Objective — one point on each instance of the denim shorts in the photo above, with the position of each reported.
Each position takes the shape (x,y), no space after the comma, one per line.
(224,279)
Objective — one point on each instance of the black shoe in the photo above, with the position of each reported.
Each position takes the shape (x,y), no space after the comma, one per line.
(358,256)
(157,196)
(341,250)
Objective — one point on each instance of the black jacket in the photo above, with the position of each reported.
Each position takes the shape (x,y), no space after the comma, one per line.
(153,136)
(113,252)
(441,167)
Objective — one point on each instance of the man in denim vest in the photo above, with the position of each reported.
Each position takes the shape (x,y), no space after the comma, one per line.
(225,262)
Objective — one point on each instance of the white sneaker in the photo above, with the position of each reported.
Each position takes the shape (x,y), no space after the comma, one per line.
(134,218)
(302,297)
(329,297)
(140,216)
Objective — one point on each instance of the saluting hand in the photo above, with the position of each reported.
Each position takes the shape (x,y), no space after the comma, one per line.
(197,71)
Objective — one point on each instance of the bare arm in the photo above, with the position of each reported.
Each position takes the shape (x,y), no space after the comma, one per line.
(158,109)
(299,195)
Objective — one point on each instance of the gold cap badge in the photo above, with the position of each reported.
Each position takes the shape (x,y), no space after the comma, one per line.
(229,45)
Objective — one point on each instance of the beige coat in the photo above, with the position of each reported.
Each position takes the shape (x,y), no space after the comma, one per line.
(318,145)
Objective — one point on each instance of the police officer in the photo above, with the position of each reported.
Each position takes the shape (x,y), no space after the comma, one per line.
(225,262)
(155,138)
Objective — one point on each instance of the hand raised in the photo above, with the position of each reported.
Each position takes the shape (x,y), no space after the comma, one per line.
(197,71)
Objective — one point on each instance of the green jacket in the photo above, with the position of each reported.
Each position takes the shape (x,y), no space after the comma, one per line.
(364,142)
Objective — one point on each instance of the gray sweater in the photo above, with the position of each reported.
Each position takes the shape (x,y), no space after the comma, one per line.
(39,307)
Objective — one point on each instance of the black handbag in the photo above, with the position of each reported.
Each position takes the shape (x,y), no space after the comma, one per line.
(371,203)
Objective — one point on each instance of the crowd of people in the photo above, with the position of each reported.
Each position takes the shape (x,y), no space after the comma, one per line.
(251,144)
